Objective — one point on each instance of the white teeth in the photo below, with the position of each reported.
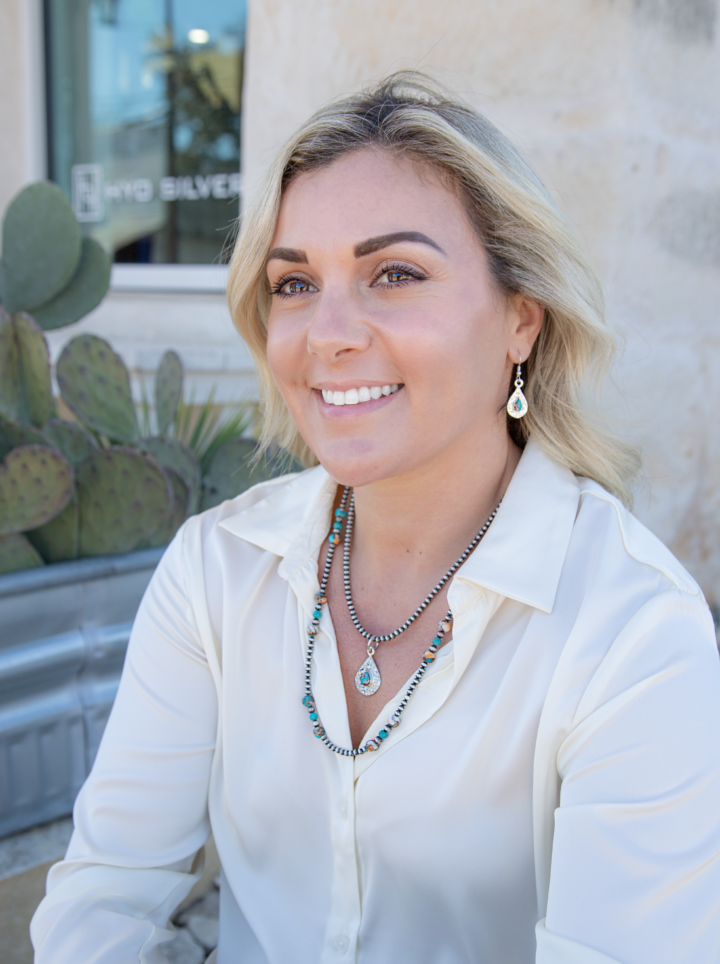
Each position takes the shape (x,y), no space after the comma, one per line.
(353,396)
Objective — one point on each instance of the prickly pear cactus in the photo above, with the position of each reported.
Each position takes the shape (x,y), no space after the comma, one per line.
(95,385)
(124,499)
(232,471)
(170,453)
(14,434)
(9,368)
(40,247)
(75,442)
(85,290)
(36,483)
(178,513)
(168,390)
(17,553)
(36,398)
(58,539)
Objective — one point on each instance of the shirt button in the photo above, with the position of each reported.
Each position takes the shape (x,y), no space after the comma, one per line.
(344,809)
(342,942)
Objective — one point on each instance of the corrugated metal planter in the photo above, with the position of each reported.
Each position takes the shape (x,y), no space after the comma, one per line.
(63,634)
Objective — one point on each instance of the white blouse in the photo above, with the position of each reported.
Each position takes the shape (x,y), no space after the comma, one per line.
(552,793)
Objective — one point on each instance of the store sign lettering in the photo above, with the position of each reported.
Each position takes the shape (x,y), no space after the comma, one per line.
(90,193)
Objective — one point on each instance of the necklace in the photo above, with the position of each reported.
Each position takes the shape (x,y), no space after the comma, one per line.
(428,658)
(367,678)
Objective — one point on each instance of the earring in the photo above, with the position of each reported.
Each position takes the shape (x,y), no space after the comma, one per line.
(517,405)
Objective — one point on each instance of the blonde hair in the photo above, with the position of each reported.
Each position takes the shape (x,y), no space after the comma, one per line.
(529,244)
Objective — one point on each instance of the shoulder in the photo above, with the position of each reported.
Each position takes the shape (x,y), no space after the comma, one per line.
(633,546)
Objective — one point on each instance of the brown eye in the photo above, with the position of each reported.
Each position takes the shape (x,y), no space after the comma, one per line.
(286,287)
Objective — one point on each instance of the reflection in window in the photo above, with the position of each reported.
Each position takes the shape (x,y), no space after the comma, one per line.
(144,122)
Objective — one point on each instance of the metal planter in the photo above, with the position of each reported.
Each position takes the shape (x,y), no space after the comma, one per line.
(64,630)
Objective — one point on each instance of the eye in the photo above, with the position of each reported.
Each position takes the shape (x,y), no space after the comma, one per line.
(288,286)
(397,275)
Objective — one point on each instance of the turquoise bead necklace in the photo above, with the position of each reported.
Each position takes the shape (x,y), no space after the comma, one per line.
(444,626)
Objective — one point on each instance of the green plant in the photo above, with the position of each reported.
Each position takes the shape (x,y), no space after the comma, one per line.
(102,484)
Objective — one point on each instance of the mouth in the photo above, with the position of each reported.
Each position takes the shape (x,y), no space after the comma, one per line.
(358,396)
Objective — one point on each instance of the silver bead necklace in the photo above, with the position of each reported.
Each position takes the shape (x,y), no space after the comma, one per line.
(367,678)
(428,658)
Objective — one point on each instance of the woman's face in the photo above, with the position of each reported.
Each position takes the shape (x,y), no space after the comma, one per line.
(379,282)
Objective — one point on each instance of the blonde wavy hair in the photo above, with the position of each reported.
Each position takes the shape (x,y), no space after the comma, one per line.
(528,241)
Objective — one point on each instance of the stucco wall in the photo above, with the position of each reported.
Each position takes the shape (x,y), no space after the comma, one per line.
(616,103)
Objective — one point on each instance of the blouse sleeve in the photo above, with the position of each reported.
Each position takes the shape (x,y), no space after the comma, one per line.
(635,873)
(141,817)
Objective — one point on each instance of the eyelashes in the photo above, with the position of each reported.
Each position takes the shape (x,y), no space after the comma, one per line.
(410,275)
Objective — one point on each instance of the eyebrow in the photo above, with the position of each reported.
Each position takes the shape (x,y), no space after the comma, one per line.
(296,256)
(385,240)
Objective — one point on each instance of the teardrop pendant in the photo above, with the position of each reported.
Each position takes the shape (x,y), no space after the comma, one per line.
(367,678)
(517,405)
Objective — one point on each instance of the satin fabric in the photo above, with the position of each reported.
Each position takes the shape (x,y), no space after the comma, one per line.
(552,793)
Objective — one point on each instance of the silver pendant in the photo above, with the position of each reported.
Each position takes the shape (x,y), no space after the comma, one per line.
(517,405)
(367,678)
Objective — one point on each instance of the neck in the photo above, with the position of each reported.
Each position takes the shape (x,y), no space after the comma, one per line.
(418,523)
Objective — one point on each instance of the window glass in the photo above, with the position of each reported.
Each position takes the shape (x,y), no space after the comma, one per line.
(144,122)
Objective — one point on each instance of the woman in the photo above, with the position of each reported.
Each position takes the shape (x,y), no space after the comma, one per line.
(519,764)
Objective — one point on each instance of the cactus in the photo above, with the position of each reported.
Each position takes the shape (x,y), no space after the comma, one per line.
(233,470)
(85,290)
(95,385)
(9,368)
(58,539)
(40,247)
(170,453)
(36,483)
(14,434)
(168,390)
(36,399)
(124,498)
(178,513)
(75,442)
(16,553)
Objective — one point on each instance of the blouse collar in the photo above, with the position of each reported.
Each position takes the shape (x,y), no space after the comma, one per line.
(521,557)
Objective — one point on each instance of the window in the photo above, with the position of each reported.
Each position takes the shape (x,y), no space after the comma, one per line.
(144,123)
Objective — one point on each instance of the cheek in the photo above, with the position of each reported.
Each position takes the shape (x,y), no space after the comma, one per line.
(284,344)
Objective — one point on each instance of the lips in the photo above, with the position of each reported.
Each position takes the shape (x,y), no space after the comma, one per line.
(356,396)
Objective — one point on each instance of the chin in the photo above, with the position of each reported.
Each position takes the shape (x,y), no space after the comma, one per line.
(357,465)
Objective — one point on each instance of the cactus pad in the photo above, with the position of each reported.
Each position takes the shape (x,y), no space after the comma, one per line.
(16,553)
(13,434)
(232,471)
(40,246)
(170,453)
(36,483)
(86,289)
(124,498)
(75,442)
(36,388)
(178,513)
(57,540)
(9,368)
(95,385)
(168,390)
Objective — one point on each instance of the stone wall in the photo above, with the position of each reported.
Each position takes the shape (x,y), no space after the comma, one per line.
(615,102)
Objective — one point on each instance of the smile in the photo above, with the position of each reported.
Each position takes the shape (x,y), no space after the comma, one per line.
(356,396)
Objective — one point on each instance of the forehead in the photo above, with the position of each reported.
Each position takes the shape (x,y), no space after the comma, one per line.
(366,194)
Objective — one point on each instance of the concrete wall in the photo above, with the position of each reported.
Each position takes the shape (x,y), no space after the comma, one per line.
(616,103)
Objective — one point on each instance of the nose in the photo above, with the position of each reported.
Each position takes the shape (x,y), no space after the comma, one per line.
(338,327)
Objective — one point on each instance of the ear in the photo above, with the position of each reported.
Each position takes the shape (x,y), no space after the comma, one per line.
(525,318)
